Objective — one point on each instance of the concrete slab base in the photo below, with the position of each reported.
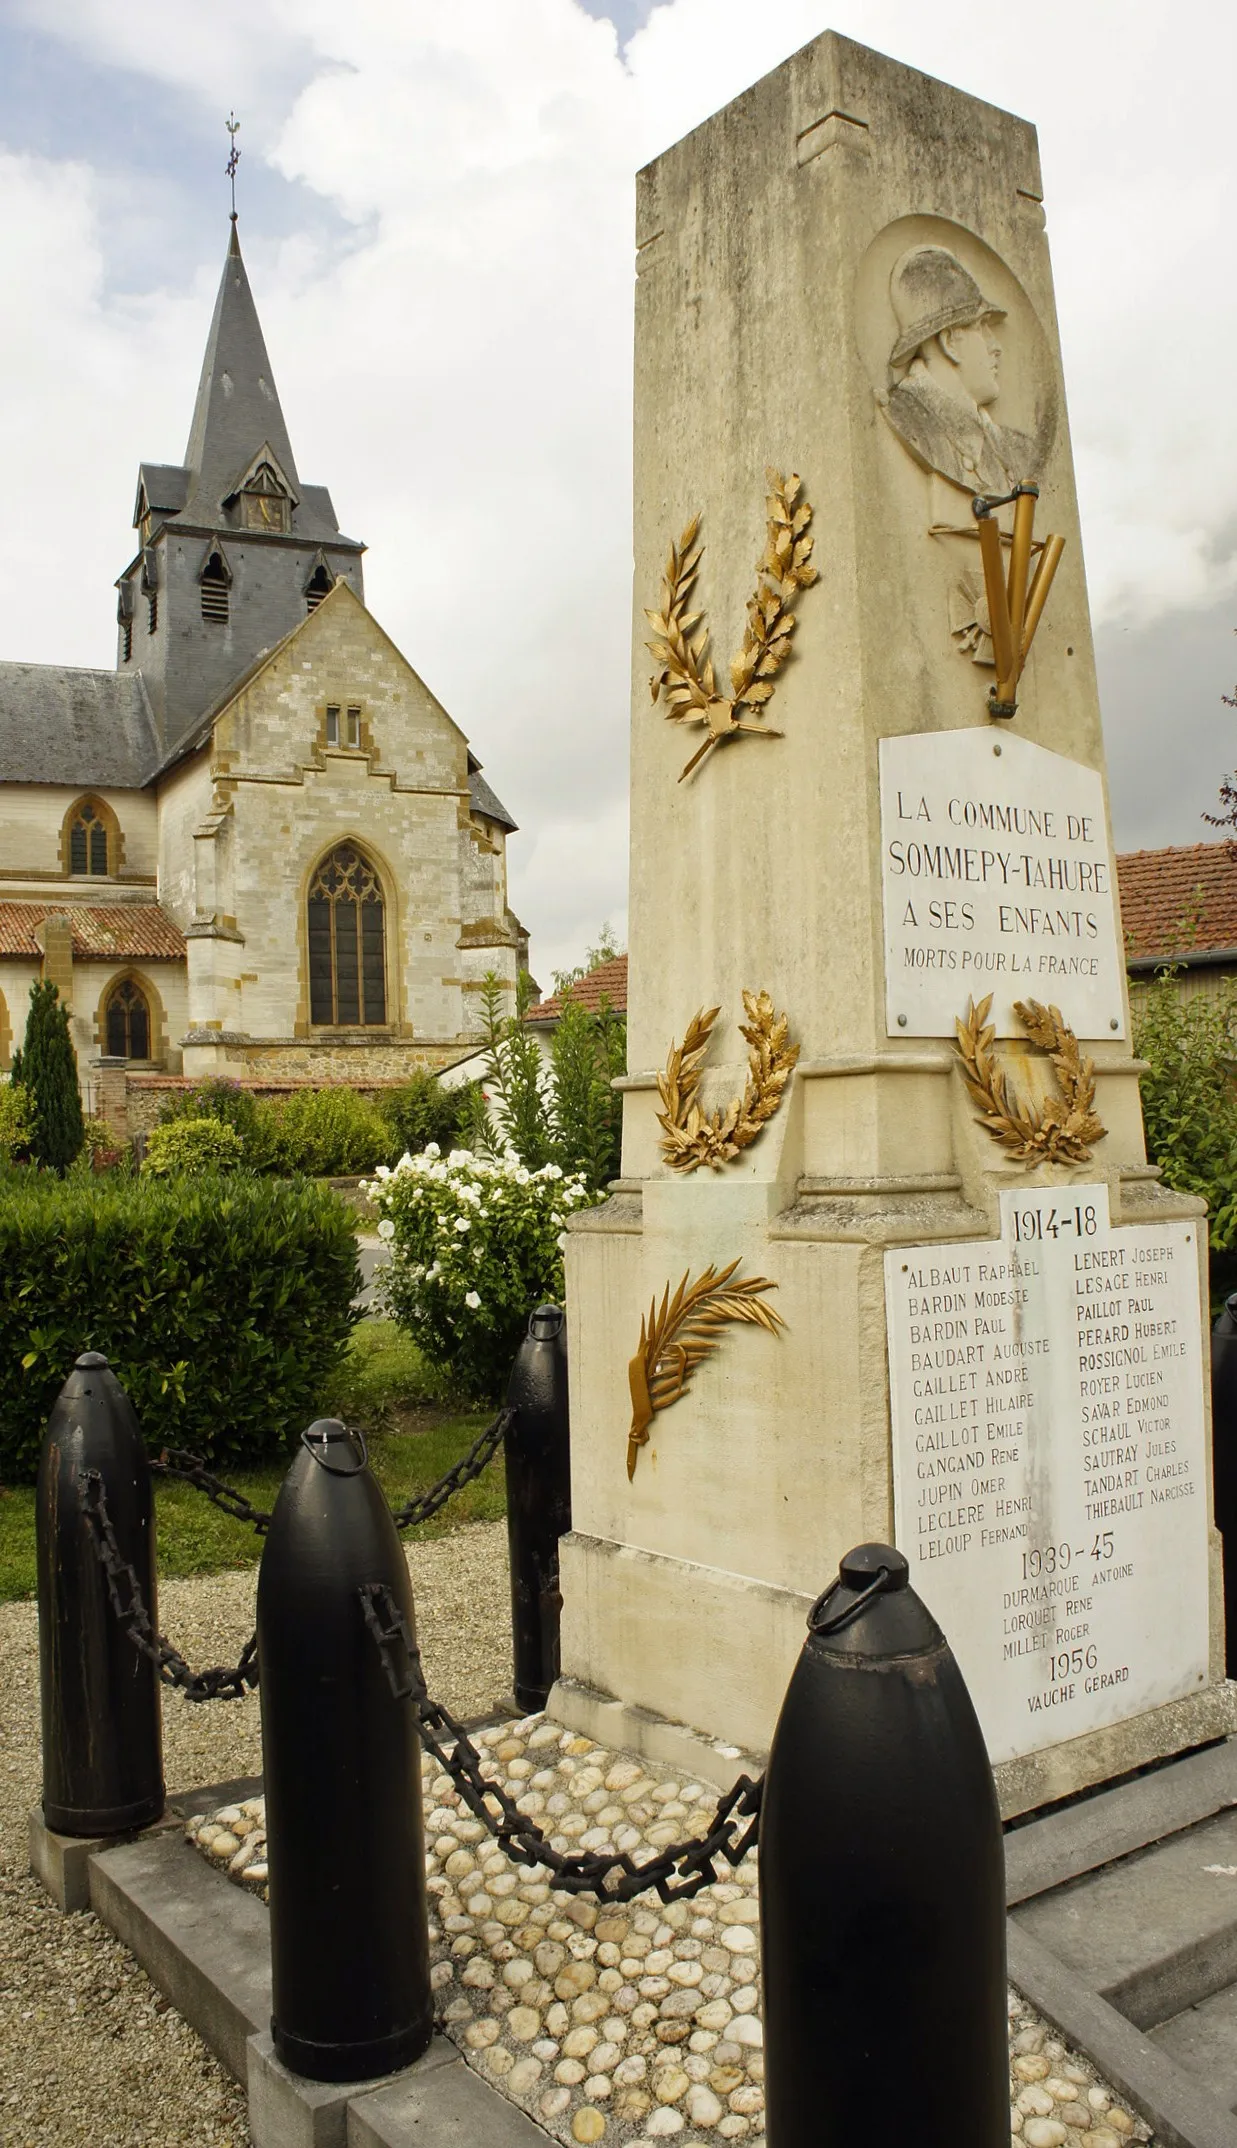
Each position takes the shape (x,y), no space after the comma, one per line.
(286,2111)
(205,1944)
(626,1728)
(61,1863)
(1060,1771)
(1123,1933)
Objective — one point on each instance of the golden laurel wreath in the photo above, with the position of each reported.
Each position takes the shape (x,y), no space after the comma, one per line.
(1062,1132)
(681,1333)
(689,1139)
(686,678)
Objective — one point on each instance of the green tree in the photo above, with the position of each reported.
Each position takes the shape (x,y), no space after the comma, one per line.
(565,1112)
(47,1071)
(1189,1100)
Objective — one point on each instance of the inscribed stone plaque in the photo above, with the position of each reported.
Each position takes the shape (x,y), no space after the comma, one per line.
(1050,1485)
(997,878)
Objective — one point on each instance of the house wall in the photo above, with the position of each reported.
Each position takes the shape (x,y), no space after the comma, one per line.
(32,819)
(280,793)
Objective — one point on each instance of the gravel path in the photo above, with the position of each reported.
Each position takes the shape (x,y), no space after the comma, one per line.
(91,2056)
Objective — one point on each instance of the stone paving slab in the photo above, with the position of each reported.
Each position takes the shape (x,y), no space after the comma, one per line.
(1203,2040)
(1154,1933)
(206,1948)
(1095,1830)
(453,2109)
(1180,2110)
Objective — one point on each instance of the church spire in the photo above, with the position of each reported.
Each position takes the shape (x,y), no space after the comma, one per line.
(237,410)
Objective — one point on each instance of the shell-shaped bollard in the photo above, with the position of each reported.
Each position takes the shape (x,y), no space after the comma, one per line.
(882,1884)
(102,1733)
(538,1465)
(1224,1462)
(341,1767)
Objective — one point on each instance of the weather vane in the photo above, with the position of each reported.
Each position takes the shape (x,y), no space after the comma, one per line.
(233,126)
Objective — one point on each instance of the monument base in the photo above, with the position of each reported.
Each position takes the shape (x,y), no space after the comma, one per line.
(616,1595)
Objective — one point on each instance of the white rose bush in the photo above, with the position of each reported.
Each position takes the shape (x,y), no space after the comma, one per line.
(476,1242)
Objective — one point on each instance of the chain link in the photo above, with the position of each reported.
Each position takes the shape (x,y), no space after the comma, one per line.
(129,1605)
(424,1505)
(191,1469)
(681,1869)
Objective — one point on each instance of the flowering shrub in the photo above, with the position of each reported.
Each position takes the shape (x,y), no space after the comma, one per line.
(476,1242)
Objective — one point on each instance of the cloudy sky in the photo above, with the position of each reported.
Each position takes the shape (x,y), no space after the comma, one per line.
(437,217)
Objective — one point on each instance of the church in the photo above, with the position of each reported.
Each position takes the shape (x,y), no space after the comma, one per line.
(259,847)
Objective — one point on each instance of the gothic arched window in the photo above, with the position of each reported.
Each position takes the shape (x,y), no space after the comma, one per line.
(88,840)
(347,952)
(127,1022)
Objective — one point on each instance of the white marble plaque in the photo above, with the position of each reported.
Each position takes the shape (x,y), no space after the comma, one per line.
(1050,1481)
(997,877)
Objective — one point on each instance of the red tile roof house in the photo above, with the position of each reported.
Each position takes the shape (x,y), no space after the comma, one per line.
(1179,907)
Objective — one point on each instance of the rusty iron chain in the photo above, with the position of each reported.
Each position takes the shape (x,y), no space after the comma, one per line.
(129,1605)
(424,1505)
(191,1469)
(681,1869)
(188,1468)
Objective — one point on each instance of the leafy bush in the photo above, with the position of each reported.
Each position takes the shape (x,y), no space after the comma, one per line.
(1189,1100)
(476,1242)
(224,1305)
(327,1133)
(423,1111)
(215,1098)
(46,1068)
(16,1122)
(187,1148)
(314,1133)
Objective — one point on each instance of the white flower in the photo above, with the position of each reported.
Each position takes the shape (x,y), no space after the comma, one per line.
(472,1300)
(562,1241)
(432,1150)
(386,1230)
(432,1274)
(463,1223)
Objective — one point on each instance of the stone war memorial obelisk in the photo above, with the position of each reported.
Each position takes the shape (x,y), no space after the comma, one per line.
(886,1260)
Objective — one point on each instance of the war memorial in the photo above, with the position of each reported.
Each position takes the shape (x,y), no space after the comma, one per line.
(886,1265)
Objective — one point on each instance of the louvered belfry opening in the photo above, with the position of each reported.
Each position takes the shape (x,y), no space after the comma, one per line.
(88,842)
(320,584)
(347,950)
(128,1022)
(215,592)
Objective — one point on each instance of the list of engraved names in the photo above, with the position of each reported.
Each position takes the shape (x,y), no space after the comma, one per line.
(997,879)
(1050,1484)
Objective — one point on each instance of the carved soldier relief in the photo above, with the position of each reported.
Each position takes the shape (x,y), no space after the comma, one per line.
(958,362)
(945,365)
(961,371)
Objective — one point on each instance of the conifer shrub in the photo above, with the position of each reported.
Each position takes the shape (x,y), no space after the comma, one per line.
(46,1069)
(224,1306)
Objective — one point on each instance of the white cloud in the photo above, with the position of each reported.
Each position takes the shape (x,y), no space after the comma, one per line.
(460,374)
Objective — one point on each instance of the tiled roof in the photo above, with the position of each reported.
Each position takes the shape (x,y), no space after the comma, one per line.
(608,981)
(101,931)
(1179,902)
(84,728)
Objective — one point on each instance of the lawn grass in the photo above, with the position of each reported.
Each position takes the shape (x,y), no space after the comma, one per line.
(414,1436)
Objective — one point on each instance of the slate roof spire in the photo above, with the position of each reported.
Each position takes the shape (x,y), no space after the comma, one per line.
(237,409)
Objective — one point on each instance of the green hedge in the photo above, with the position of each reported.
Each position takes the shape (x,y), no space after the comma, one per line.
(224,1305)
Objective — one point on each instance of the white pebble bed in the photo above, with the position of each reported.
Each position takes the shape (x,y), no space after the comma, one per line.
(635,2023)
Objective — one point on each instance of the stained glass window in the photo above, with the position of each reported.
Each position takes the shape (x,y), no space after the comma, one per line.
(347,955)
